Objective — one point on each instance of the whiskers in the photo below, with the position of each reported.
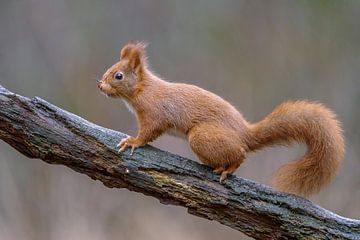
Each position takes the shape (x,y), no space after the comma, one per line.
(97,82)
(96,79)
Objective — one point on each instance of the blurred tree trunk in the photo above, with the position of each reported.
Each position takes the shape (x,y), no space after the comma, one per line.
(38,129)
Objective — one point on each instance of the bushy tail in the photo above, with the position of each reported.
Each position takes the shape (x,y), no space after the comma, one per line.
(312,124)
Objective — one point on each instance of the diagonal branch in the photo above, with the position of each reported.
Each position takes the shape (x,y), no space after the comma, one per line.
(39,129)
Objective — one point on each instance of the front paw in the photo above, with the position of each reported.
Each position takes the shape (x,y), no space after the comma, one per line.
(128,142)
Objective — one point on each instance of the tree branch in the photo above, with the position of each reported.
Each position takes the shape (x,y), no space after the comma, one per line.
(38,129)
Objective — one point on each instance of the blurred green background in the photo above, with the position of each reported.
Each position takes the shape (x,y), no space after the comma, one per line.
(255,54)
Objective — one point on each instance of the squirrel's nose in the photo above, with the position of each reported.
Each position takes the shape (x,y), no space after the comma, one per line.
(99,85)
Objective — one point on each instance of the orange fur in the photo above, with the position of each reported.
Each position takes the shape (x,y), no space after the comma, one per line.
(217,132)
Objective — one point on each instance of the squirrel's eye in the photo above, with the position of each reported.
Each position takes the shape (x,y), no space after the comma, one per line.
(118,76)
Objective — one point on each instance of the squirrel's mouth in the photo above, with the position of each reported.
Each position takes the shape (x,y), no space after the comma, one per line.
(106,89)
(102,92)
(110,94)
(109,90)
(107,94)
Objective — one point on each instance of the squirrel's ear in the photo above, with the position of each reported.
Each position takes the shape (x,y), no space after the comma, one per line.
(135,54)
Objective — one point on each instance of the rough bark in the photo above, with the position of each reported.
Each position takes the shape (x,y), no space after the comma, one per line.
(41,130)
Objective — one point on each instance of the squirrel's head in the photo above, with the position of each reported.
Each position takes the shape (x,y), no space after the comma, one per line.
(124,78)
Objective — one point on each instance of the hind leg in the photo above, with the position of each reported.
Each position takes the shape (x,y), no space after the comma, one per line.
(218,148)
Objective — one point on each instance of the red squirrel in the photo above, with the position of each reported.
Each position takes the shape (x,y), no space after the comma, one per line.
(217,133)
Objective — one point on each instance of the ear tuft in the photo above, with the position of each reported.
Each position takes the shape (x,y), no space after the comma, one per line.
(135,53)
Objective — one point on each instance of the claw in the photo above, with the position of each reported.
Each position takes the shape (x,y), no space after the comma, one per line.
(223,176)
(123,147)
(122,141)
(125,143)
(132,150)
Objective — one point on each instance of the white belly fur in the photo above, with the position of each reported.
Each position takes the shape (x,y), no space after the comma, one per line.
(129,106)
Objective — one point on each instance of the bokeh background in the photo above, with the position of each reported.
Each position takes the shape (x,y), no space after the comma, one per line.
(255,54)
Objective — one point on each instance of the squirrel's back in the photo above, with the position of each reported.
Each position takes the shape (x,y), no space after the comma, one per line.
(185,105)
